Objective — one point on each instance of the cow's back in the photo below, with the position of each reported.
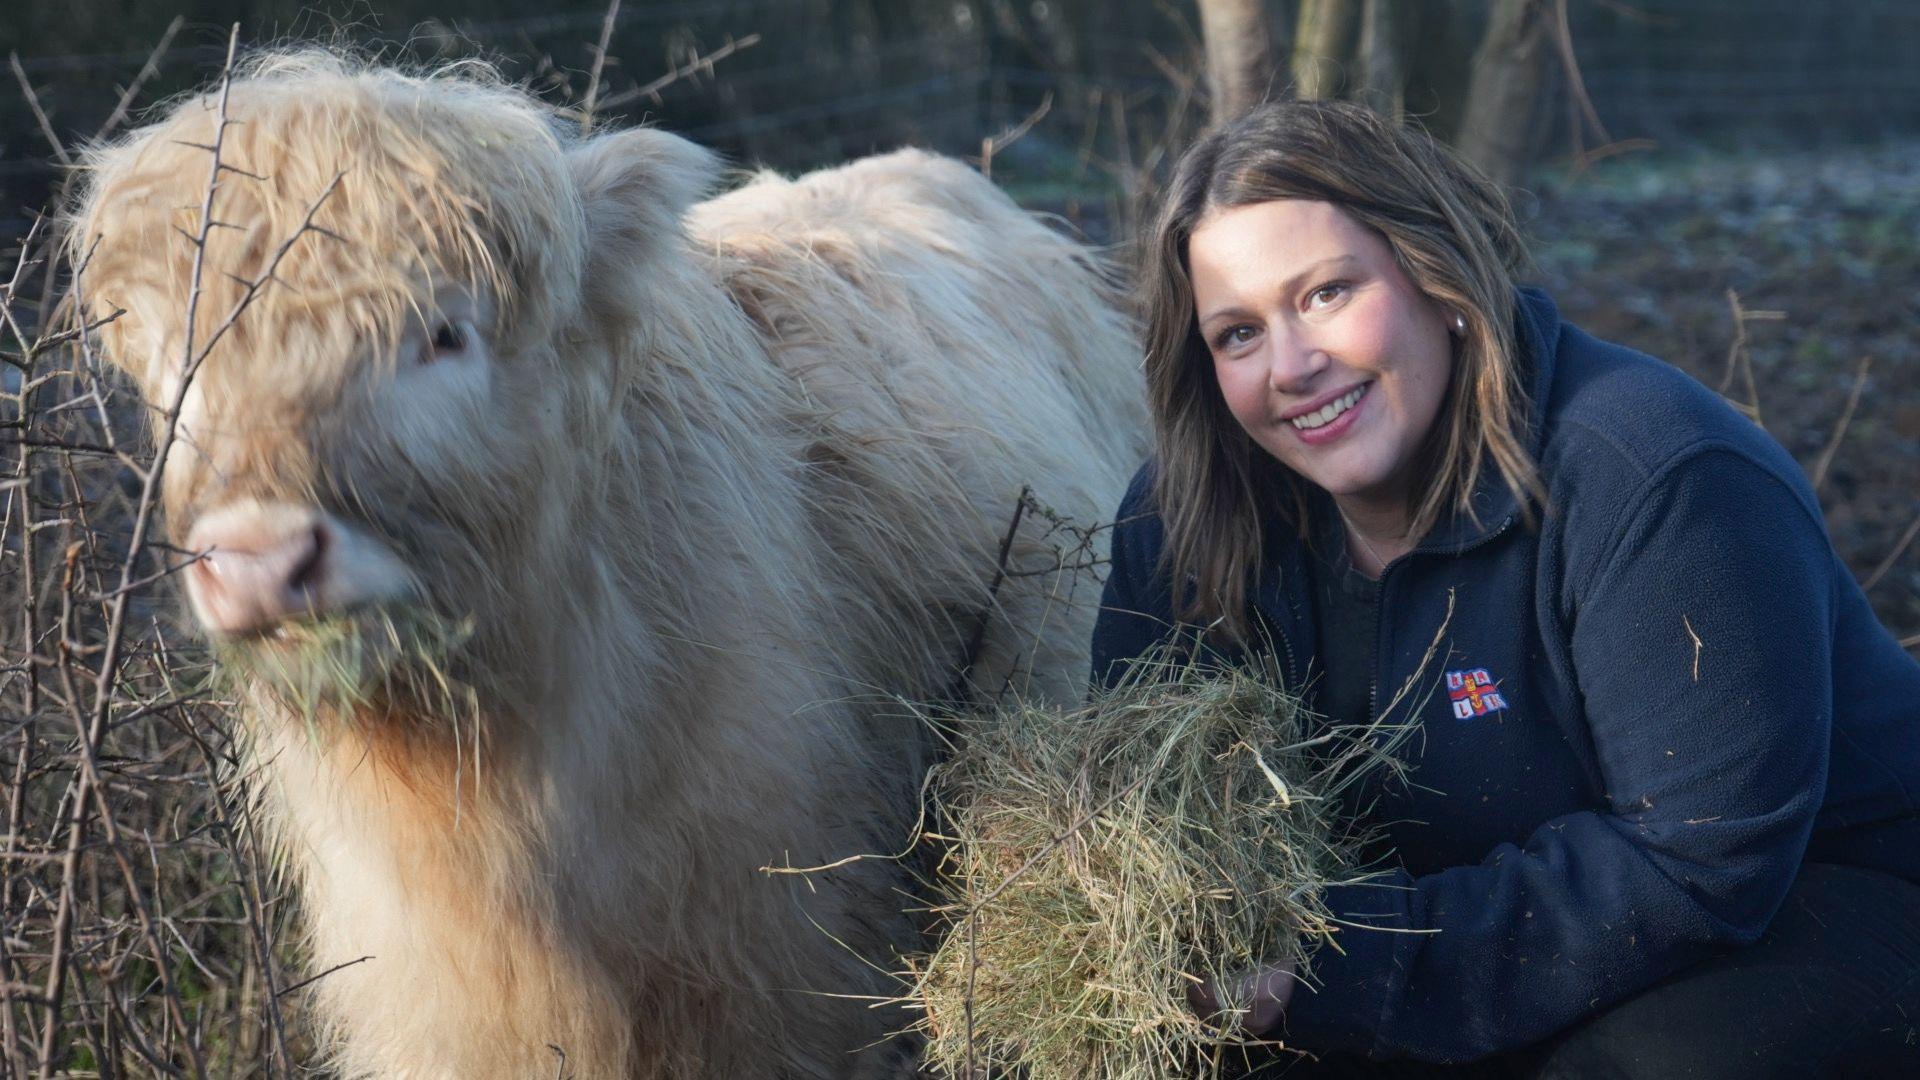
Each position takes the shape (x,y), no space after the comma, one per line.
(953,350)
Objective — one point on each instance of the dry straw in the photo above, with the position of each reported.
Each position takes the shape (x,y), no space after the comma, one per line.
(1181,825)
(400,655)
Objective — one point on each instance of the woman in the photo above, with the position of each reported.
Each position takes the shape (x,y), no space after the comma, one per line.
(1664,810)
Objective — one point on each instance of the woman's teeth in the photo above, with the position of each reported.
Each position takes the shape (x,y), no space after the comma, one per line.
(1325,414)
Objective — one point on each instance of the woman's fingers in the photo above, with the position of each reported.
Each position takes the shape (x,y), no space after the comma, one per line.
(1263,1012)
(1277,982)
(1263,993)
(1203,999)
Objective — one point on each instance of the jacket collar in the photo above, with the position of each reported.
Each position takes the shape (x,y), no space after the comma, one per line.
(1537,333)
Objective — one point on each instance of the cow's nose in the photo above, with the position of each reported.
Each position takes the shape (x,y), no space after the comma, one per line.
(264,564)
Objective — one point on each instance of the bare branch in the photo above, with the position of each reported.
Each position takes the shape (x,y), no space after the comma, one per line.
(698,65)
(1840,429)
(311,979)
(1739,359)
(91,729)
(39,114)
(141,583)
(599,63)
(995,143)
(1899,549)
(1578,102)
(147,71)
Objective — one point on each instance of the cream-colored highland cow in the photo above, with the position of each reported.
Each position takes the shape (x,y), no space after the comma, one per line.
(570,536)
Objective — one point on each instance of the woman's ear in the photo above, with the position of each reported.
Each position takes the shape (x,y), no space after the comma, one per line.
(635,185)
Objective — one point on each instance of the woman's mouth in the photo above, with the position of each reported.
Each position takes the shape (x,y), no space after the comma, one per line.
(1332,419)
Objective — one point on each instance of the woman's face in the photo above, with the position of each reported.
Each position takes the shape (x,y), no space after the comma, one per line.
(1327,354)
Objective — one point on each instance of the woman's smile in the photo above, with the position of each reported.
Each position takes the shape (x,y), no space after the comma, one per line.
(1317,426)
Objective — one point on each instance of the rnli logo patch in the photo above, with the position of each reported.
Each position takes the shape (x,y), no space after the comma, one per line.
(1474,693)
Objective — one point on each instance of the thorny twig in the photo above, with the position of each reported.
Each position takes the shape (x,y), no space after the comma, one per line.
(147,71)
(91,730)
(90,809)
(39,114)
(700,64)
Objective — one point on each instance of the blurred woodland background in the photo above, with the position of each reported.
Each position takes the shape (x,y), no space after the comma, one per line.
(1731,185)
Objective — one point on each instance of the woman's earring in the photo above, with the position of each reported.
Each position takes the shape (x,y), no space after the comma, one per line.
(1459,324)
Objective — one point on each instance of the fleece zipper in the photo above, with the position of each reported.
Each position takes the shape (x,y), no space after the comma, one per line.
(1380,604)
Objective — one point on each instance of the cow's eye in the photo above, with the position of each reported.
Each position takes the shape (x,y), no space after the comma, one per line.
(448,338)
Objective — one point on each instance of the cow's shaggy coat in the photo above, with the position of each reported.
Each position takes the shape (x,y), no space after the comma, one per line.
(714,482)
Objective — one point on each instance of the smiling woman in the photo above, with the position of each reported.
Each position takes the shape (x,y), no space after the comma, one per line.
(1663,818)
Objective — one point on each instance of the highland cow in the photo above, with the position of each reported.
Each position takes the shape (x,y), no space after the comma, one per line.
(614,524)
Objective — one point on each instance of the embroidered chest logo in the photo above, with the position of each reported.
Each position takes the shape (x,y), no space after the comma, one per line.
(1474,693)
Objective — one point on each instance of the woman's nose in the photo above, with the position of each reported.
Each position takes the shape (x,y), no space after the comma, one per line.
(1294,361)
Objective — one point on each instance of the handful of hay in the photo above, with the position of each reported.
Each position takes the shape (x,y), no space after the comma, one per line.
(1101,858)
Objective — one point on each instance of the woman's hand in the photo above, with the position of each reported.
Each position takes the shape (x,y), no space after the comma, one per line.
(1262,992)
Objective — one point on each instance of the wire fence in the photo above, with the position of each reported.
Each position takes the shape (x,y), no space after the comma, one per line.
(829,80)
(1790,72)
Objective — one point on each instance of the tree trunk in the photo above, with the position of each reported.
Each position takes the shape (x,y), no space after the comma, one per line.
(1507,73)
(1436,58)
(1239,55)
(1322,44)
(1381,78)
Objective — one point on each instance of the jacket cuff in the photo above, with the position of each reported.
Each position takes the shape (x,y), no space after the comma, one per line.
(1353,981)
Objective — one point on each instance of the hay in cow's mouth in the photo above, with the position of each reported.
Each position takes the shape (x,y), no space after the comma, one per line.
(400,655)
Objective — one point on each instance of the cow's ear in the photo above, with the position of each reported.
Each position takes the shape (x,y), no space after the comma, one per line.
(640,179)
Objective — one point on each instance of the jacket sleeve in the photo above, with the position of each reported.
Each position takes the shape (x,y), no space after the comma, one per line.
(1135,608)
(1701,642)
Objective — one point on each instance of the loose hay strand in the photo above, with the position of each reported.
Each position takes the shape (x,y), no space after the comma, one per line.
(1179,826)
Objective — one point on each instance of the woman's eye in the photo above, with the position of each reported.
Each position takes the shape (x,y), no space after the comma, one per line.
(1234,335)
(1326,294)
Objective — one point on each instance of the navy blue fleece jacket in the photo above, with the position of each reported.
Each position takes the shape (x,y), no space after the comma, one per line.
(1646,714)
